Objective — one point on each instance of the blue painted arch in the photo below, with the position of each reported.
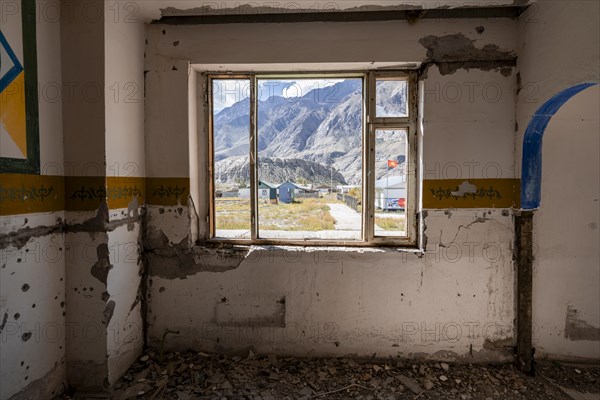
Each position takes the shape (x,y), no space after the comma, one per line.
(531,172)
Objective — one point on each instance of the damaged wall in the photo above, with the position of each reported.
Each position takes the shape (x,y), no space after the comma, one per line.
(73,281)
(125,171)
(558,48)
(71,262)
(455,301)
(105,215)
(32,249)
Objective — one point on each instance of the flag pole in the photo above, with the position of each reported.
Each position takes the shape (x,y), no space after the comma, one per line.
(387,187)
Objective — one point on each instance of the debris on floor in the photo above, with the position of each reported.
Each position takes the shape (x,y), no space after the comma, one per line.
(198,375)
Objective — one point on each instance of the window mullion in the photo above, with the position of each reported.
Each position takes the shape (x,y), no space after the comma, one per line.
(369,163)
(413,101)
(208,116)
(253,160)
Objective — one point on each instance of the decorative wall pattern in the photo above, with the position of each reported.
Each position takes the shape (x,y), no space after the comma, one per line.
(19,125)
(472,193)
(23,194)
(168,191)
(121,191)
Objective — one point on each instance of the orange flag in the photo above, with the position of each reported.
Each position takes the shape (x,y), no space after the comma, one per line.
(392,164)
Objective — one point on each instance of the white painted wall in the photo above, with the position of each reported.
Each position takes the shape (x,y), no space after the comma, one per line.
(318,42)
(32,277)
(32,306)
(50,91)
(450,304)
(455,302)
(166,117)
(83,107)
(125,157)
(87,344)
(125,337)
(468,125)
(124,92)
(567,266)
(559,47)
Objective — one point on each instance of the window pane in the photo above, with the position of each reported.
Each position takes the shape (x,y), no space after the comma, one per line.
(310,158)
(391,98)
(390,182)
(231,142)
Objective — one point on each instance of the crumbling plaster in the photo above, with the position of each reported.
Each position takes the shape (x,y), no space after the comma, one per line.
(387,302)
(32,270)
(277,299)
(558,48)
(409,302)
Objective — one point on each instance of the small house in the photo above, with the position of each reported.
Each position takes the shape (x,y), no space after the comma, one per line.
(289,191)
(286,192)
(266,191)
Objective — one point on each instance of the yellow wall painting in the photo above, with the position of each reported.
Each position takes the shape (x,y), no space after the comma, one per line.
(19,130)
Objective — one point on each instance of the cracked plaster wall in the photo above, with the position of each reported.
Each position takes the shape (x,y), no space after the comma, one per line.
(125,159)
(71,278)
(455,301)
(558,48)
(32,272)
(295,300)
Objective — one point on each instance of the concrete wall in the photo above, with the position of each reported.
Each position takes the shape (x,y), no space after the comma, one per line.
(452,301)
(32,273)
(558,48)
(125,165)
(71,262)
(72,277)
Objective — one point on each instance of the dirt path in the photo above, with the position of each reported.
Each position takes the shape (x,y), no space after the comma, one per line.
(347,219)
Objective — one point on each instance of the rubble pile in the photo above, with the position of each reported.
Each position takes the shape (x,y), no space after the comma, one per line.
(198,375)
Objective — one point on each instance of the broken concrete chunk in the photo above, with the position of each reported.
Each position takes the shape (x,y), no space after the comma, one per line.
(410,383)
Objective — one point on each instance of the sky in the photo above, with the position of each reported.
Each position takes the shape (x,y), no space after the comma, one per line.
(226,92)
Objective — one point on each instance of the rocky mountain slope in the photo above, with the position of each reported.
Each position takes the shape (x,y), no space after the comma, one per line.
(323,128)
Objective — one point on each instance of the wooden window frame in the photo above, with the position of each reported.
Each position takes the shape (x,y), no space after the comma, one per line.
(369,125)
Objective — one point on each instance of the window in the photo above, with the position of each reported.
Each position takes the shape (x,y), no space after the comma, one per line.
(313,158)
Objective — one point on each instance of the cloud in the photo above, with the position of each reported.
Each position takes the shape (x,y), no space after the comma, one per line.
(301,87)
(227,92)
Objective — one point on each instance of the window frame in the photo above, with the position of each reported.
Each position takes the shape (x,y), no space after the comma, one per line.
(369,125)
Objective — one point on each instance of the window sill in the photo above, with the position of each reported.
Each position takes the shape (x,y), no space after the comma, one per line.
(311,248)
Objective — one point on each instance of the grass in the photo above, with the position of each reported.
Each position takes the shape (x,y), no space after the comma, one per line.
(232,213)
(310,214)
(390,224)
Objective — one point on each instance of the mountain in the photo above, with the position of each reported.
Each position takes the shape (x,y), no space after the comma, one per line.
(324,127)
(276,170)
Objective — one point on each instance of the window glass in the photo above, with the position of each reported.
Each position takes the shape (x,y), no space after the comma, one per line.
(390,182)
(310,158)
(231,144)
(308,133)
(391,98)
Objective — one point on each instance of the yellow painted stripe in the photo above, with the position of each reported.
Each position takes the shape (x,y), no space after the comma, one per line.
(167,191)
(26,194)
(476,193)
(120,191)
(84,193)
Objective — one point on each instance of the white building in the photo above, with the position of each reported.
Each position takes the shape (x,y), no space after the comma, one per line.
(390,193)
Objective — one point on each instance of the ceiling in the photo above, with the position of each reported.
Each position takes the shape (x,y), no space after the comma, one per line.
(155,9)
